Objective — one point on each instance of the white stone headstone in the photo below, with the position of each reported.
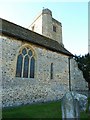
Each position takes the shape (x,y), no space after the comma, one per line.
(72,103)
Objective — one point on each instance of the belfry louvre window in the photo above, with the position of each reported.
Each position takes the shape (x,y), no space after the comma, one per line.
(25,63)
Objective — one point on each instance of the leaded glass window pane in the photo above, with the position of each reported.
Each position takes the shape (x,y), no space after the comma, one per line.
(24,51)
(19,66)
(25,69)
(32,67)
(30,53)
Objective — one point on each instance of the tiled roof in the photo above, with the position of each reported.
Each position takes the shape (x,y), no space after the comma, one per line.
(21,33)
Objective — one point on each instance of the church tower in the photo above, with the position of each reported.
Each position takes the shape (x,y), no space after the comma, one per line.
(46,25)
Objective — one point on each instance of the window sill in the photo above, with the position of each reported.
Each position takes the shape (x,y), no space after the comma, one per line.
(21,78)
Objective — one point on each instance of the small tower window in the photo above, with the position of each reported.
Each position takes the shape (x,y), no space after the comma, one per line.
(54,28)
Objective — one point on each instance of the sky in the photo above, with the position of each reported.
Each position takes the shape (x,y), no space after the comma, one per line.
(72,15)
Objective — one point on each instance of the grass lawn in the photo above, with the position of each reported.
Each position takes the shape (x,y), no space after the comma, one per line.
(40,110)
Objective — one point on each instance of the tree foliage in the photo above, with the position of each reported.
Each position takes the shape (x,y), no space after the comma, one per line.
(84,65)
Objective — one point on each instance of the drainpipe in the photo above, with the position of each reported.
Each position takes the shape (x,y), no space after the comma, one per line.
(69,73)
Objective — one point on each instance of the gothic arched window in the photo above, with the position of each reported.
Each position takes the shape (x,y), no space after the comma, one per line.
(25,64)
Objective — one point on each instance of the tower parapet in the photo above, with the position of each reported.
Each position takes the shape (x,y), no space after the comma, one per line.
(47,11)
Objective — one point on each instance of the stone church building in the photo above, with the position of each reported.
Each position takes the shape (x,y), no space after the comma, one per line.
(36,67)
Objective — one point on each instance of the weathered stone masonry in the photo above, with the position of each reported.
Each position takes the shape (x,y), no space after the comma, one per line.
(41,88)
(17,91)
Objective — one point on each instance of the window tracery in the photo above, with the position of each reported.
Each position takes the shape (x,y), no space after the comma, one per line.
(25,63)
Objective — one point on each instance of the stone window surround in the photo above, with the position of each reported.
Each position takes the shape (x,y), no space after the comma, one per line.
(20,52)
